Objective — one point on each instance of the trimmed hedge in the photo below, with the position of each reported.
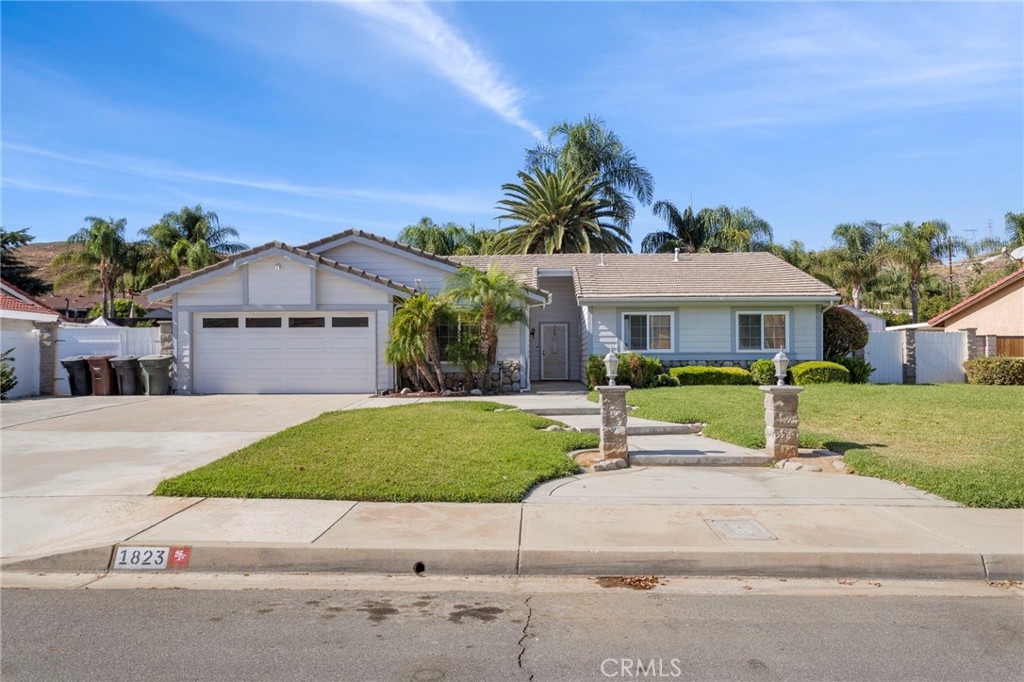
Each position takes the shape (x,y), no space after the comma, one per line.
(842,332)
(998,371)
(638,371)
(763,372)
(819,372)
(704,376)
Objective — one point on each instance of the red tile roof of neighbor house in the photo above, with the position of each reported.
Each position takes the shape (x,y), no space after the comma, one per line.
(940,319)
(22,301)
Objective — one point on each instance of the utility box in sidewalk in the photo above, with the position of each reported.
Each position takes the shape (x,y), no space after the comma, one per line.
(103,379)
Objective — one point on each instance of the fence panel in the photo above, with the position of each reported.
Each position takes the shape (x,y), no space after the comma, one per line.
(1010,346)
(940,357)
(26,361)
(103,341)
(885,353)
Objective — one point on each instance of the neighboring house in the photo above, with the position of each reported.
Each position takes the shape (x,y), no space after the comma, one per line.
(997,310)
(314,319)
(874,323)
(19,310)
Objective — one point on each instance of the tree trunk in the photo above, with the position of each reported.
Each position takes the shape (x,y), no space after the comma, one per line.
(857,293)
(434,356)
(411,376)
(488,336)
(424,371)
(914,285)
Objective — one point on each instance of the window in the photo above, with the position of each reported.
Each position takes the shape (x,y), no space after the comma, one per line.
(305,322)
(453,331)
(647,331)
(350,322)
(761,331)
(262,322)
(220,323)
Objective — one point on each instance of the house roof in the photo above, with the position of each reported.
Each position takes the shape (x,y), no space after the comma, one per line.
(659,275)
(380,240)
(14,299)
(971,301)
(154,292)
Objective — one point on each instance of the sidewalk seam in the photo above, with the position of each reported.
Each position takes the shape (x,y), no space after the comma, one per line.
(519,545)
(73,414)
(154,525)
(336,522)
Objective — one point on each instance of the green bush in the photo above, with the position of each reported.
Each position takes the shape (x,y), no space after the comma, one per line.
(663,380)
(638,371)
(763,372)
(121,309)
(894,319)
(7,379)
(860,369)
(704,376)
(997,371)
(820,372)
(842,332)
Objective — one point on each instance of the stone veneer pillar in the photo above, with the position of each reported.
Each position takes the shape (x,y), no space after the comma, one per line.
(909,344)
(613,422)
(782,424)
(47,357)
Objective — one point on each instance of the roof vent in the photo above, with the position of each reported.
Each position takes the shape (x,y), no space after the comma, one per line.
(602,259)
(677,255)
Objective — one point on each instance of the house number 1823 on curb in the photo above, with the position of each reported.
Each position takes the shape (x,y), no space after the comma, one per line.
(151,558)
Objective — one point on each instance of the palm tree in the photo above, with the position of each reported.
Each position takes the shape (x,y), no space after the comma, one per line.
(730,229)
(406,351)
(493,298)
(191,238)
(449,239)
(685,232)
(912,248)
(1014,230)
(855,260)
(96,255)
(413,332)
(558,212)
(589,148)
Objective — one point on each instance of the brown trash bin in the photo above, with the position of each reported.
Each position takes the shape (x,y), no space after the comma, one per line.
(104,381)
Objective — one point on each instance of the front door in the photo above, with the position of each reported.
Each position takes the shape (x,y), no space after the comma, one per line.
(554,351)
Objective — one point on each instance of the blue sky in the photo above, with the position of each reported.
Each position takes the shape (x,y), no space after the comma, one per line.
(295,120)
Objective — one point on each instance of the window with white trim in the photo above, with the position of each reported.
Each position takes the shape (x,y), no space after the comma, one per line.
(762,331)
(648,332)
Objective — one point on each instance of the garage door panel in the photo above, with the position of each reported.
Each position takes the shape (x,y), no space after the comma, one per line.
(283,359)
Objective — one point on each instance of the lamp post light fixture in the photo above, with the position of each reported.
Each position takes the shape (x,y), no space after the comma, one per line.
(781,365)
(611,366)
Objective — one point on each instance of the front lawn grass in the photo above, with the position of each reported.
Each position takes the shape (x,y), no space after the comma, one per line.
(962,442)
(428,452)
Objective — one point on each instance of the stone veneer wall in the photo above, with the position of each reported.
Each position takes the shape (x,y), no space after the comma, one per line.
(504,377)
(745,364)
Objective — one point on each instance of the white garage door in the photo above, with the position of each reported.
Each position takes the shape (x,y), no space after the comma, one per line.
(284,352)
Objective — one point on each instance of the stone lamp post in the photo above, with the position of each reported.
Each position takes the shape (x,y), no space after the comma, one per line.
(613,415)
(781,432)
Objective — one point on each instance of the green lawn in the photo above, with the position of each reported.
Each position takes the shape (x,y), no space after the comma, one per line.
(962,442)
(430,452)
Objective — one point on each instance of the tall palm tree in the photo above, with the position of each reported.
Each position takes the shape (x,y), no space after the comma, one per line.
(190,238)
(492,297)
(96,255)
(685,231)
(1014,229)
(449,239)
(590,148)
(731,229)
(913,248)
(413,332)
(558,211)
(856,258)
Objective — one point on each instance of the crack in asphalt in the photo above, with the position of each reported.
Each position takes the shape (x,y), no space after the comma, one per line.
(526,626)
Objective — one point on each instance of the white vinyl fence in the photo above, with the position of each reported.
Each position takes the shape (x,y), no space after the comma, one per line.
(885,353)
(102,341)
(26,361)
(940,357)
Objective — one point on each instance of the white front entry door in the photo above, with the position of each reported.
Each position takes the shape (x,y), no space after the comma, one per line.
(554,351)
(284,352)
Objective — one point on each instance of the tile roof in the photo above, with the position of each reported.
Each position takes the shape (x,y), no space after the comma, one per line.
(658,275)
(16,299)
(940,319)
(317,258)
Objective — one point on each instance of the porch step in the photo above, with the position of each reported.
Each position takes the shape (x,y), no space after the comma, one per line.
(651,430)
(722,460)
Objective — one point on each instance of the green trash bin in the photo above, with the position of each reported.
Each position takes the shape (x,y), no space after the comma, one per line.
(156,374)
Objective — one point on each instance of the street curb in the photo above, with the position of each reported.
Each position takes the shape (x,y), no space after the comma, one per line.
(212,558)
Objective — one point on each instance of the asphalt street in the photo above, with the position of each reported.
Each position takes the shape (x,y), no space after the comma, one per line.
(730,630)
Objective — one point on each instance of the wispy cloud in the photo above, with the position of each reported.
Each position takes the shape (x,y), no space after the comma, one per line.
(417,30)
(140,167)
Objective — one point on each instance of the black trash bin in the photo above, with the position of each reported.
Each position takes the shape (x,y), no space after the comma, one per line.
(103,381)
(156,371)
(79,380)
(129,374)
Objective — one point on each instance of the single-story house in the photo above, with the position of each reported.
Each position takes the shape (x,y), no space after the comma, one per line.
(997,310)
(314,318)
(873,322)
(20,310)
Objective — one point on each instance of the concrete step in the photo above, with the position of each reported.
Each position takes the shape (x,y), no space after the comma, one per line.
(649,459)
(651,429)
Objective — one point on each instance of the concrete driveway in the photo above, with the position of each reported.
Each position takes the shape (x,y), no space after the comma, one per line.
(79,471)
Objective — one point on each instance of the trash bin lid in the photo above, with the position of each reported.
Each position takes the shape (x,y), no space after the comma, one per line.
(124,358)
(155,357)
(75,358)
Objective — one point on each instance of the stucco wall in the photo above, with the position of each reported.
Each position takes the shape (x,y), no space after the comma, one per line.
(1001,314)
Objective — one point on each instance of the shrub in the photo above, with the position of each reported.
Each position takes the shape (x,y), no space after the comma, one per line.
(860,369)
(704,376)
(894,319)
(997,371)
(820,372)
(7,379)
(638,371)
(121,309)
(842,332)
(663,380)
(763,372)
